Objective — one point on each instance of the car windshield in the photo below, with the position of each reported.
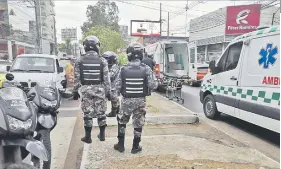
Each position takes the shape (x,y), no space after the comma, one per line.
(34,64)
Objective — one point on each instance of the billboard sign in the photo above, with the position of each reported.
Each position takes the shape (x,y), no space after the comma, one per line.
(70,33)
(242,19)
(145,28)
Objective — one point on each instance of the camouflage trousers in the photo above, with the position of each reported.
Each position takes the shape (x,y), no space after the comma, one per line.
(93,106)
(115,103)
(136,108)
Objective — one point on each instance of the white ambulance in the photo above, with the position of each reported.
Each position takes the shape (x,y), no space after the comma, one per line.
(245,81)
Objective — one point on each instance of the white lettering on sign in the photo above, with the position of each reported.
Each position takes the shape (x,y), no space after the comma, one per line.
(241,27)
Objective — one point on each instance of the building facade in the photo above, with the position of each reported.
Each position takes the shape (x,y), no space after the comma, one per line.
(48,32)
(212,32)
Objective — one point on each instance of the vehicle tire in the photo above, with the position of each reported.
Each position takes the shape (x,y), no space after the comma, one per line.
(20,166)
(46,140)
(210,107)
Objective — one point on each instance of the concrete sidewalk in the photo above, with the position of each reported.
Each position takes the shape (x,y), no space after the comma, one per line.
(172,139)
(161,111)
(178,146)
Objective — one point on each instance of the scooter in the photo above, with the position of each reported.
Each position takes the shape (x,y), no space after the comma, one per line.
(18,121)
(47,101)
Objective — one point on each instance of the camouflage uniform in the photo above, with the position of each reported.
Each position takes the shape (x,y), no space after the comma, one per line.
(93,102)
(114,70)
(135,106)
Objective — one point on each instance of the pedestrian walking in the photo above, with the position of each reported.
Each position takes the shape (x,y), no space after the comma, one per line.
(91,75)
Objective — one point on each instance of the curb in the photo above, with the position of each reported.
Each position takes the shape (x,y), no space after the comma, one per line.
(155,120)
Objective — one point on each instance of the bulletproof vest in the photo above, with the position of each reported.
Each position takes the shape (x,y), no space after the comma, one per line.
(91,69)
(148,62)
(134,81)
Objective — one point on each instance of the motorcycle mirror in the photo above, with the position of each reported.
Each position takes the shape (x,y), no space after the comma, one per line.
(65,93)
(31,96)
(10,76)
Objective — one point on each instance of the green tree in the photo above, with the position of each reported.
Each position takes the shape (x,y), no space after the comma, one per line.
(66,47)
(122,59)
(110,40)
(103,13)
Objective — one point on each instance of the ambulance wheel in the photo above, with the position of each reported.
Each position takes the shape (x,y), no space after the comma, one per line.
(210,107)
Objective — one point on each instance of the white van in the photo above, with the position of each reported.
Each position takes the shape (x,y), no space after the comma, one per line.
(28,69)
(245,81)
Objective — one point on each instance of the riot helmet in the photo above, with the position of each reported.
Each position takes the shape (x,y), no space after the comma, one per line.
(111,58)
(135,51)
(91,43)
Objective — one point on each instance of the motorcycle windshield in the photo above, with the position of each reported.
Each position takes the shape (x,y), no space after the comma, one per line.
(15,103)
(12,93)
(47,90)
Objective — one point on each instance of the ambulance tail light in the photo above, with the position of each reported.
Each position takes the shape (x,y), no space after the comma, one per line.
(157,70)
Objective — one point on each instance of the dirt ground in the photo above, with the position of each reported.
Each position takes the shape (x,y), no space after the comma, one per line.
(174,162)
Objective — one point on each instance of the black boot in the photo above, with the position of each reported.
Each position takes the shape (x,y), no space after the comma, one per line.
(87,138)
(121,138)
(101,135)
(120,145)
(113,112)
(136,146)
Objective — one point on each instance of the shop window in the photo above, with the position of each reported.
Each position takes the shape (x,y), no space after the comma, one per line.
(201,54)
(192,55)
(214,51)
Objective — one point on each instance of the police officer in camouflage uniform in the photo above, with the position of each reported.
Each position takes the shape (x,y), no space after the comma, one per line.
(133,82)
(92,74)
(113,67)
(148,61)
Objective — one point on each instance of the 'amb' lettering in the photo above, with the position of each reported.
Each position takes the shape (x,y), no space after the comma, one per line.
(271,80)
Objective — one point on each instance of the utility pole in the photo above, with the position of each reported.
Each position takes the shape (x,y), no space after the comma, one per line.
(168,27)
(186,8)
(55,32)
(160,19)
(38,24)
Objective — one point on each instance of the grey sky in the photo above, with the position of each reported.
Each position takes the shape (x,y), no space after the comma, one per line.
(71,14)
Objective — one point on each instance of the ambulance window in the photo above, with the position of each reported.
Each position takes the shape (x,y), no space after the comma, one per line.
(233,56)
(222,61)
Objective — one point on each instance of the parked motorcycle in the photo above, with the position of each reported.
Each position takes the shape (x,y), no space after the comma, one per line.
(18,121)
(47,101)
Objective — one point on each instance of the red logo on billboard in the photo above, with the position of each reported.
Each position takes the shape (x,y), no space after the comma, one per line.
(242,19)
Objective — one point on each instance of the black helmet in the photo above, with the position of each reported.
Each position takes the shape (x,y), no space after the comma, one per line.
(111,58)
(91,43)
(135,51)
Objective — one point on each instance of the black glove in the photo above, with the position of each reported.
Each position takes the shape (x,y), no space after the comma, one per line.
(108,96)
(76,95)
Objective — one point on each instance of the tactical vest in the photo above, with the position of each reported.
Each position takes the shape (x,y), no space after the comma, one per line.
(134,82)
(91,69)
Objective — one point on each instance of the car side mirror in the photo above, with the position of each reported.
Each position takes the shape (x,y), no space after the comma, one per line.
(10,76)
(8,68)
(31,96)
(60,70)
(212,66)
(193,66)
